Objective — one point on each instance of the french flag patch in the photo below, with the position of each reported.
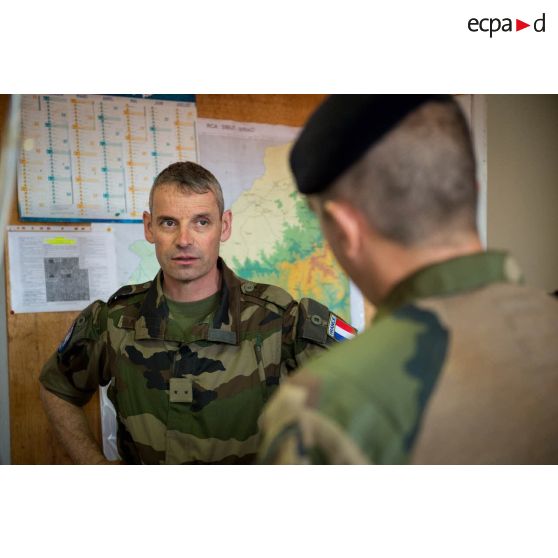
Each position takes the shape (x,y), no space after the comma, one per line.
(340,330)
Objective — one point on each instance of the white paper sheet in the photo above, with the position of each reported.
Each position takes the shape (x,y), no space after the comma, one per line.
(135,257)
(60,271)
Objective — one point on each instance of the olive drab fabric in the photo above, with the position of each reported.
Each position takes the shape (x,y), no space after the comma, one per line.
(460,365)
(194,398)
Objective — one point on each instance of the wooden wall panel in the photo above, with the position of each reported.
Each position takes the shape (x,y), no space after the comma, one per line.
(33,337)
(289,110)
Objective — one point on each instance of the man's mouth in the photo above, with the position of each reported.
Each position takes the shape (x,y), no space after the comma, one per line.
(184,259)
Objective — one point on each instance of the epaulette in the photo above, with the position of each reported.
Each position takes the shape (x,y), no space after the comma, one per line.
(129,290)
(268,293)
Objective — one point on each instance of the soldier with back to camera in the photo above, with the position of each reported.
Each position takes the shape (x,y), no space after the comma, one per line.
(190,357)
(460,364)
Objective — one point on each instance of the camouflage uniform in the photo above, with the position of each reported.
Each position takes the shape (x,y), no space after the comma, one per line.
(459,366)
(194,399)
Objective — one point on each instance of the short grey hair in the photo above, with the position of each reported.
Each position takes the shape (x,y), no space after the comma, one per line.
(189,177)
(419,181)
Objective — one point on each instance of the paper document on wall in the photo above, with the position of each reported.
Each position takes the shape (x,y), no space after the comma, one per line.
(93,157)
(60,271)
(135,257)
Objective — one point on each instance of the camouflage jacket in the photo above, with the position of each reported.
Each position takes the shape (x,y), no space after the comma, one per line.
(195,399)
(460,365)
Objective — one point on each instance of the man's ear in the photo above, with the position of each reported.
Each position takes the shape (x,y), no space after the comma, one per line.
(147,227)
(345,225)
(226,225)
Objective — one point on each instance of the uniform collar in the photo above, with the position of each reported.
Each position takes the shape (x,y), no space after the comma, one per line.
(154,312)
(453,276)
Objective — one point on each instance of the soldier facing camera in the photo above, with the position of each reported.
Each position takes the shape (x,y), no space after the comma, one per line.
(190,357)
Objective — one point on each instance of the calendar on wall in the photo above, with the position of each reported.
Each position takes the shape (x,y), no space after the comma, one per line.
(94,157)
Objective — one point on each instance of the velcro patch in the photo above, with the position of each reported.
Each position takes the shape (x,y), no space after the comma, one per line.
(180,390)
(340,330)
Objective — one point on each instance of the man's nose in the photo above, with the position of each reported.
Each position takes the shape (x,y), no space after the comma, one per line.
(184,237)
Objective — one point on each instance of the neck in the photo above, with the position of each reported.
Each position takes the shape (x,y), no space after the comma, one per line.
(192,291)
(390,263)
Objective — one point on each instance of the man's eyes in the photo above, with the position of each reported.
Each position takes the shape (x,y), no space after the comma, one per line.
(168,223)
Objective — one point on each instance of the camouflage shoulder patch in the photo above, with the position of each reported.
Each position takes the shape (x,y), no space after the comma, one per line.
(129,290)
(268,293)
(314,321)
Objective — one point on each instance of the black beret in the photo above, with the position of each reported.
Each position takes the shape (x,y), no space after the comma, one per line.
(341,131)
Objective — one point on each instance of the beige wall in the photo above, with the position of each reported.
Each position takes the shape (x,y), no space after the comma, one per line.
(522,165)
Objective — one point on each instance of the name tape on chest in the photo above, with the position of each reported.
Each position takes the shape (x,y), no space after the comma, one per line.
(340,330)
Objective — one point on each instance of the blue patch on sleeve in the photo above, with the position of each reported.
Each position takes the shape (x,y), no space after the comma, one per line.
(67,337)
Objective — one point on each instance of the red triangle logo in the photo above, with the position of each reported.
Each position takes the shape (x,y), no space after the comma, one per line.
(519,25)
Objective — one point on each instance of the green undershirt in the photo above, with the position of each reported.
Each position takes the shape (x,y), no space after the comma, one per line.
(185,315)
